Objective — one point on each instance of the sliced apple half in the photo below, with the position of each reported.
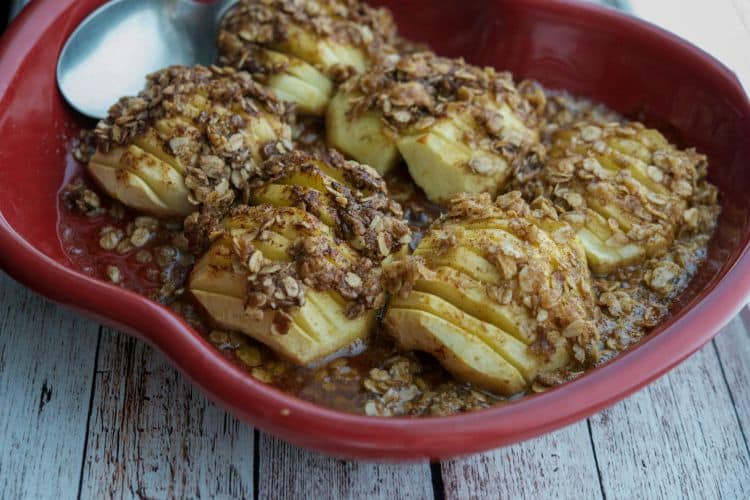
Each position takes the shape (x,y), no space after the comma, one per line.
(500,295)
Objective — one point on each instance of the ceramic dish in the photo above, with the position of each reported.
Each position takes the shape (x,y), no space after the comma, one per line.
(636,69)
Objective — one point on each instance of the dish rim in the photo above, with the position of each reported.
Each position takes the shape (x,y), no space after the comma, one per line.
(345,434)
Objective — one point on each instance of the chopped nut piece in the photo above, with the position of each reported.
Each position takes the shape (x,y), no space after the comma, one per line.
(114,274)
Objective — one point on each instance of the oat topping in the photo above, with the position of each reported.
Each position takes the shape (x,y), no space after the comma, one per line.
(358,281)
(80,199)
(114,274)
(110,237)
(397,389)
(133,247)
(414,91)
(645,188)
(257,24)
(202,117)
(561,111)
(663,278)
(540,268)
(363,213)
(171,92)
(317,261)
(400,275)
(204,227)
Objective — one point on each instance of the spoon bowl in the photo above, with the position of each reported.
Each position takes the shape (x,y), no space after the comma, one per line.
(115,47)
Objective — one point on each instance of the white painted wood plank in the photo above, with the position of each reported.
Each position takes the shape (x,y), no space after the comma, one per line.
(152,435)
(46,366)
(288,472)
(678,438)
(733,346)
(557,465)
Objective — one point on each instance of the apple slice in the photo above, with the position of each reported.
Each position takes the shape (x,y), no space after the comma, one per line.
(627,187)
(190,132)
(249,281)
(500,296)
(458,128)
(301,49)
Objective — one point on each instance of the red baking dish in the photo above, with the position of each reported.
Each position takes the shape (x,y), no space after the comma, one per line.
(633,67)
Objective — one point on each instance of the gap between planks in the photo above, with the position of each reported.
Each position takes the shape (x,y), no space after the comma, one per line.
(47,358)
(91,407)
(682,436)
(153,435)
(643,444)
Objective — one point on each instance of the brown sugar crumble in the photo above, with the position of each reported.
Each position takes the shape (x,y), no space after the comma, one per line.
(417,87)
(364,215)
(255,25)
(414,91)
(209,110)
(671,195)
(398,388)
(316,261)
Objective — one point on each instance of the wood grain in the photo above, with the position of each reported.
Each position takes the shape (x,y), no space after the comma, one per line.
(677,438)
(733,347)
(288,472)
(46,366)
(560,464)
(152,435)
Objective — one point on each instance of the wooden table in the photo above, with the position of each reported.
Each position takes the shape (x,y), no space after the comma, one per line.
(88,412)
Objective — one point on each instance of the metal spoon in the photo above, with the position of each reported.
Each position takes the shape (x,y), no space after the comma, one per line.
(114,48)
